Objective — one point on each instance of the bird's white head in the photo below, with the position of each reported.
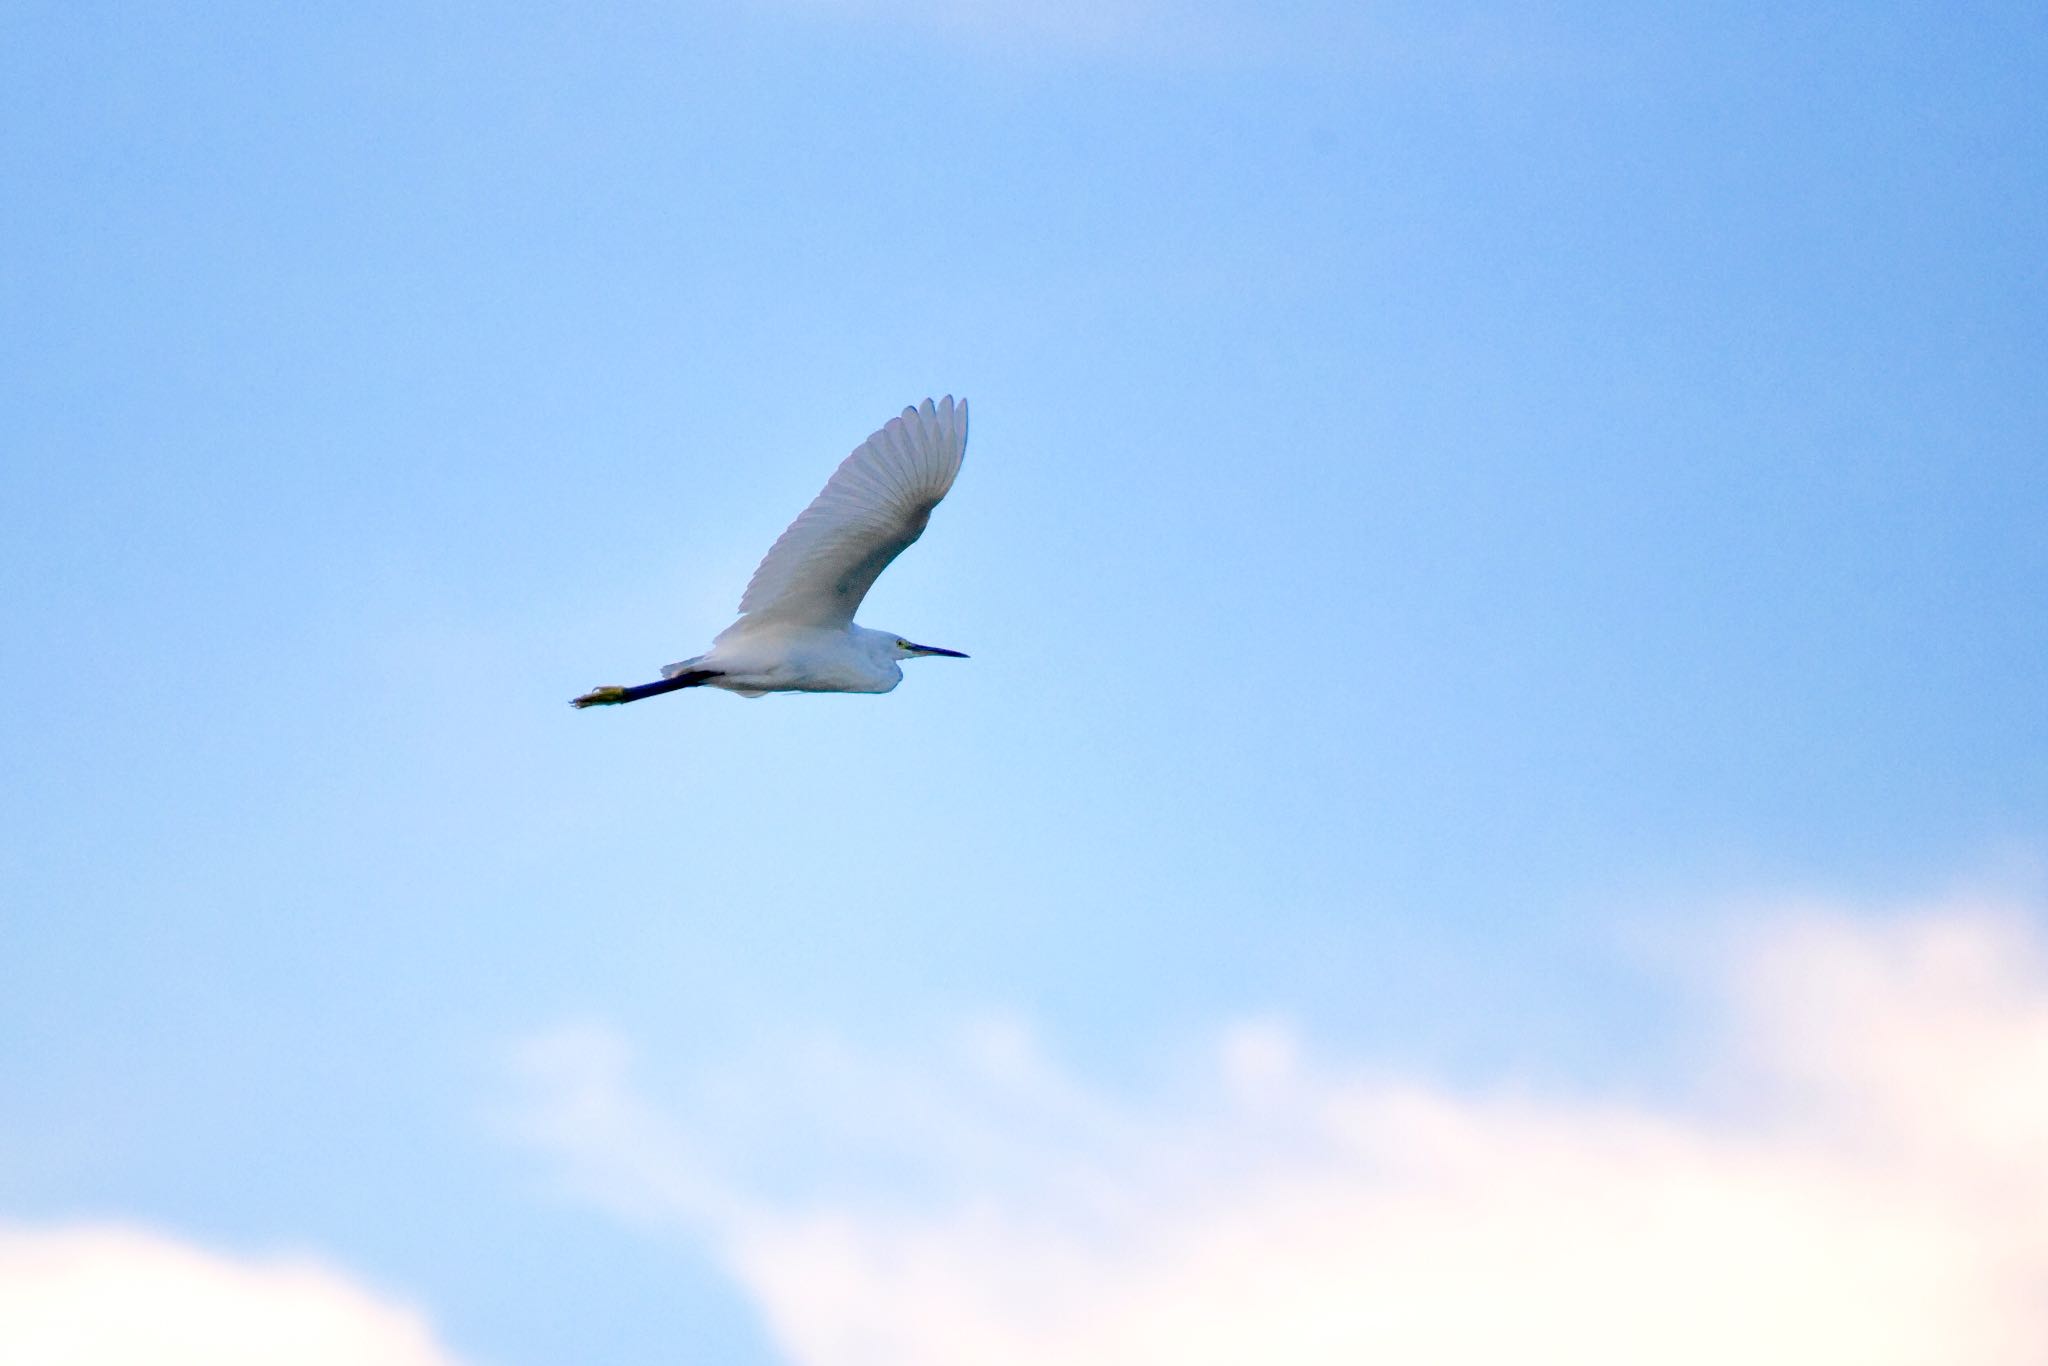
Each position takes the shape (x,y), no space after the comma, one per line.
(890,646)
(904,649)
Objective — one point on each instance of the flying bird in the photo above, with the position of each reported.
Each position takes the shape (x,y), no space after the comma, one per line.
(796,631)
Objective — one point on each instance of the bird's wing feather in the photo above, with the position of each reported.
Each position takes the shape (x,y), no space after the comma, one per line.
(872,508)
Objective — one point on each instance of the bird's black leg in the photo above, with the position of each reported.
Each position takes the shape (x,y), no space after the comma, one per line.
(607,697)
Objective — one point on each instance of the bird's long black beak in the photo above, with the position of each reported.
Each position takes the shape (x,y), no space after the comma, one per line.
(935,650)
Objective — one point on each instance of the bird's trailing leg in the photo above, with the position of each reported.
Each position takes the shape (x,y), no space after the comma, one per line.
(608,697)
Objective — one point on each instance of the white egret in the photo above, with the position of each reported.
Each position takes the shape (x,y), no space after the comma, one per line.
(796,631)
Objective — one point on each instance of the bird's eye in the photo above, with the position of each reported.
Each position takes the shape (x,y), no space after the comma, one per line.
(902,644)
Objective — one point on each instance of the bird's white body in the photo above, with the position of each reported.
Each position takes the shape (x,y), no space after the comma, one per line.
(796,631)
(753,659)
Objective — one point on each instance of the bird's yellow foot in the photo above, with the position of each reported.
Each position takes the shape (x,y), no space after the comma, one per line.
(599,697)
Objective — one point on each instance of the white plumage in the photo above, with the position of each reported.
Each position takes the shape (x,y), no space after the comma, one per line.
(870,511)
(796,631)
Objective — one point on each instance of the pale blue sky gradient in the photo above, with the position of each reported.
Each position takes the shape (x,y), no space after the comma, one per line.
(1448,496)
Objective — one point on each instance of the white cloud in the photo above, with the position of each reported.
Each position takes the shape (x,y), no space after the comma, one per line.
(113,1295)
(1069,24)
(1861,1177)
(1217,33)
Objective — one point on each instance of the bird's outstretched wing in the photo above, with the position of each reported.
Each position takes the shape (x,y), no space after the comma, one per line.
(872,508)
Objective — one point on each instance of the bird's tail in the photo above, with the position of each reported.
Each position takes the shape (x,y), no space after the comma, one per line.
(612,696)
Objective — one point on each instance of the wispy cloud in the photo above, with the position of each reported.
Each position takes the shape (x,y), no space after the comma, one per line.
(1210,33)
(114,1295)
(1863,1176)
(1062,24)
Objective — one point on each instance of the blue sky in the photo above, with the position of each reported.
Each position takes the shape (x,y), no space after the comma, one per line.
(1467,510)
